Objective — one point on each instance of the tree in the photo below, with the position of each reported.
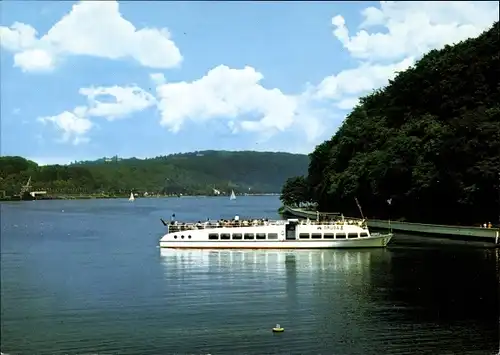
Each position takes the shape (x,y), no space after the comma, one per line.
(429,141)
(188,173)
(295,191)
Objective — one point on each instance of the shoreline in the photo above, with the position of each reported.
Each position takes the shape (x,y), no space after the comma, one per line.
(110,197)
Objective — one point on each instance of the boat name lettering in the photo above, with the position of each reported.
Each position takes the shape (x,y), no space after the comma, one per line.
(335,227)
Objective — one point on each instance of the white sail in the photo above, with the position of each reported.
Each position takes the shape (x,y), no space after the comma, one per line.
(131,198)
(233,196)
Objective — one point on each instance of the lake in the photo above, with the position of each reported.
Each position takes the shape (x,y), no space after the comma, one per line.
(81,277)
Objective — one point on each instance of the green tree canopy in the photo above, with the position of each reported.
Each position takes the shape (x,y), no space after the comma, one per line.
(188,173)
(295,191)
(429,142)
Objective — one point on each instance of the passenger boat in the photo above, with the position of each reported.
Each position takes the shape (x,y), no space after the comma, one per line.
(277,234)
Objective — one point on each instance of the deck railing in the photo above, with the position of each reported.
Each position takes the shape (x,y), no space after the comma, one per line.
(179,226)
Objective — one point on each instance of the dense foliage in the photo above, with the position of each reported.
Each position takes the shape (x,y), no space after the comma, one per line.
(295,191)
(191,173)
(429,142)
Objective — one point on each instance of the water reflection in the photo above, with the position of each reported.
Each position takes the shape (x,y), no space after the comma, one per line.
(268,261)
(294,275)
(419,298)
(443,285)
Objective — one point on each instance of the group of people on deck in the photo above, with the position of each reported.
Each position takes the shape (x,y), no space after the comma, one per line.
(235,222)
(487,225)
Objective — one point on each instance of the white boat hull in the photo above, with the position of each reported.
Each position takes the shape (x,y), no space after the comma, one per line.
(379,241)
(289,234)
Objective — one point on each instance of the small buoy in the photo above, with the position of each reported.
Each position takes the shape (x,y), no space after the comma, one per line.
(278,329)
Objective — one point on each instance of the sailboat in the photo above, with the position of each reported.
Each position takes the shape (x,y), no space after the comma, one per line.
(233,196)
(131,198)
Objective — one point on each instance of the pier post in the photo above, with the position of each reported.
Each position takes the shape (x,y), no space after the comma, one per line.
(497,236)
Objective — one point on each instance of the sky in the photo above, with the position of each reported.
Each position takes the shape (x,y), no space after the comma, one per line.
(84,80)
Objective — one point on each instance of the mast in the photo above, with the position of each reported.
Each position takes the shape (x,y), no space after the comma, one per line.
(359,207)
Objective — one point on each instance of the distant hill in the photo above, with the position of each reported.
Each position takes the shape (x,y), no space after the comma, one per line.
(188,173)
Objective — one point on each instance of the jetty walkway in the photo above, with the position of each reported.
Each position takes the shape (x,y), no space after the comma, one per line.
(465,233)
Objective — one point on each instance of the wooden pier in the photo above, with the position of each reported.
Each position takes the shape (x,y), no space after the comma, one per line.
(465,233)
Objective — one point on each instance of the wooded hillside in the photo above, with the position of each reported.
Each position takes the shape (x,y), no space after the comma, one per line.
(429,142)
(190,173)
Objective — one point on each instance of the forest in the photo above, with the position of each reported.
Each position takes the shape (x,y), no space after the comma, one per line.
(425,148)
(189,173)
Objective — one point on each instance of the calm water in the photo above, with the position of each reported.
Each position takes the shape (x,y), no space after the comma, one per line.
(87,276)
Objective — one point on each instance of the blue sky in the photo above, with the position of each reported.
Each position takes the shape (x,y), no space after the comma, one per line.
(86,80)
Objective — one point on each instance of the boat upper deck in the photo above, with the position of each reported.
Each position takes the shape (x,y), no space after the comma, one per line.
(175,226)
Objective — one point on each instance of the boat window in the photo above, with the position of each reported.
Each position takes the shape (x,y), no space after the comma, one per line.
(304,235)
(260,236)
(272,235)
(213,236)
(352,235)
(182,237)
(237,236)
(189,237)
(249,236)
(316,235)
(340,236)
(328,236)
(225,236)
(363,235)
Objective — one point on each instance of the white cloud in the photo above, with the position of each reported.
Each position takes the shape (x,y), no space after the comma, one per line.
(157,78)
(414,27)
(92,28)
(347,104)
(73,126)
(360,80)
(20,36)
(50,160)
(35,60)
(127,100)
(238,97)
(411,30)
(235,95)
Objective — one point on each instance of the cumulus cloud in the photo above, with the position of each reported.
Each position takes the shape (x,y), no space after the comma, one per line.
(347,104)
(125,101)
(359,80)
(50,160)
(157,78)
(73,127)
(411,28)
(92,28)
(237,95)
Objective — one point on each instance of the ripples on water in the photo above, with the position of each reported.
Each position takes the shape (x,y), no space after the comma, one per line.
(89,280)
